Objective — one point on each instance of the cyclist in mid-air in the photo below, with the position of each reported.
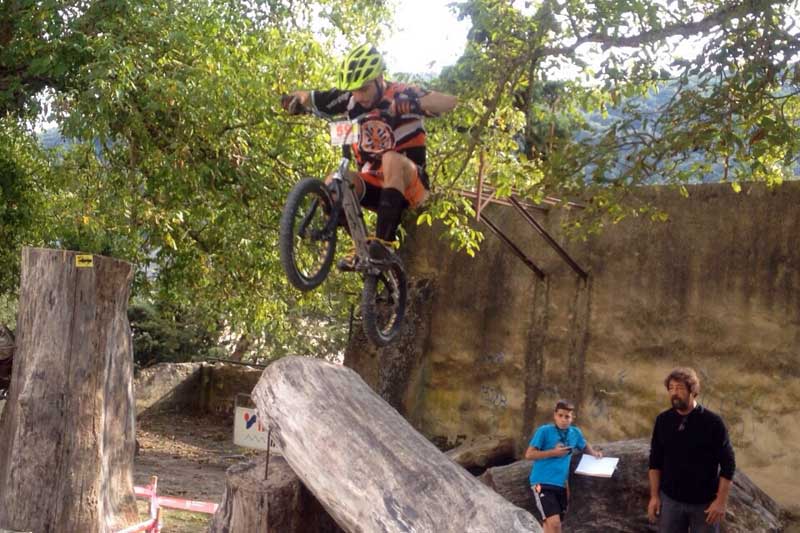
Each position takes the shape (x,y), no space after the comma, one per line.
(387,181)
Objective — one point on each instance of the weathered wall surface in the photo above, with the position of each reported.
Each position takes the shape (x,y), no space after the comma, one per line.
(193,387)
(716,287)
(168,387)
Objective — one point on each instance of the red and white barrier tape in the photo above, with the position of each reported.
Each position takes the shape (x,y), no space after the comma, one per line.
(153,524)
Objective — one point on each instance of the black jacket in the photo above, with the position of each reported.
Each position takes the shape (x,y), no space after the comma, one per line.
(691,452)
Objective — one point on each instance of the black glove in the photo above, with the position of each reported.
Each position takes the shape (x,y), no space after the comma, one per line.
(292,105)
(406,104)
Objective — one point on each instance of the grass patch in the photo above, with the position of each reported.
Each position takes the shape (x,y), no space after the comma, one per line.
(174,521)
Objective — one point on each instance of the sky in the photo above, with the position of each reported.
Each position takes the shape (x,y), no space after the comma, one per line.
(427,37)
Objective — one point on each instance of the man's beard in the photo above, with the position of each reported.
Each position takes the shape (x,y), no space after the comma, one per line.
(679,404)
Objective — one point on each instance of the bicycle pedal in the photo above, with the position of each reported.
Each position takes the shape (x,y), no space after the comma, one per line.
(379,253)
(380,264)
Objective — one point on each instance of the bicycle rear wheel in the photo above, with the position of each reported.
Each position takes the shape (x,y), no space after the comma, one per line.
(383,303)
(307,238)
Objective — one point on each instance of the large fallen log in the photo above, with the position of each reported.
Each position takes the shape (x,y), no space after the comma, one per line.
(66,433)
(619,503)
(367,466)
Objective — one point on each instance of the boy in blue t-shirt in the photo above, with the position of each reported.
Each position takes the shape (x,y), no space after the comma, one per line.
(551,448)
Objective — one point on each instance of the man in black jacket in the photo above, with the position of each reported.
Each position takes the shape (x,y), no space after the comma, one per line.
(691,461)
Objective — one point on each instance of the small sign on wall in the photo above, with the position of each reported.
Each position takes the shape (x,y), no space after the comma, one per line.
(249,429)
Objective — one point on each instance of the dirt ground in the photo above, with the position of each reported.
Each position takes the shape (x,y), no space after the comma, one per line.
(190,456)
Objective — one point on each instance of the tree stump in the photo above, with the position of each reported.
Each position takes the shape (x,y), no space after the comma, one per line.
(67,432)
(278,504)
(365,464)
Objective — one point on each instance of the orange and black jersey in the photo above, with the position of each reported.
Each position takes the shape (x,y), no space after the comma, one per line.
(409,133)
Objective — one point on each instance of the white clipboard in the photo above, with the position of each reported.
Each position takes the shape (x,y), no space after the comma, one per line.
(592,466)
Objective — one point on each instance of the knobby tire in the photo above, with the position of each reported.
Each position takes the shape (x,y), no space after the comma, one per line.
(383,305)
(300,210)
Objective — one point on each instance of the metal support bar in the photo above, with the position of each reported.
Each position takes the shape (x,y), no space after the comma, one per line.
(477,195)
(269,445)
(483,189)
(564,255)
(538,271)
(478,203)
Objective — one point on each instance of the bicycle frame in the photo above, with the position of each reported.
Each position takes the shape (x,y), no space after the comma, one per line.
(345,189)
(346,198)
(383,298)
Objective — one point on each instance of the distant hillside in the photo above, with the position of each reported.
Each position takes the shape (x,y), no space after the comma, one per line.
(650,107)
(51,138)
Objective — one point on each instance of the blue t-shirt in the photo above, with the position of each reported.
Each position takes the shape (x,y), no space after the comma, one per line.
(554,470)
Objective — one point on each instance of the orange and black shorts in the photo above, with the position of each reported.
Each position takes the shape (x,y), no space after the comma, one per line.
(415,193)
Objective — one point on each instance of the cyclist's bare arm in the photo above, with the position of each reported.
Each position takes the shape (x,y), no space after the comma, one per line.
(436,103)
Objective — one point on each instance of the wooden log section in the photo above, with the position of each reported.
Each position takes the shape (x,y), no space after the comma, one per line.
(365,464)
(480,453)
(278,503)
(67,431)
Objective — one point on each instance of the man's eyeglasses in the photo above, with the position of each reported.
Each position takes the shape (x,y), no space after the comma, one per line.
(682,425)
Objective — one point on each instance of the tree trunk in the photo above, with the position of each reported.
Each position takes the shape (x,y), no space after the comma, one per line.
(278,504)
(243,346)
(367,466)
(67,432)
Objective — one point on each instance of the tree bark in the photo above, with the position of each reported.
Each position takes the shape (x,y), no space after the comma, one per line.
(277,503)
(367,466)
(476,455)
(67,432)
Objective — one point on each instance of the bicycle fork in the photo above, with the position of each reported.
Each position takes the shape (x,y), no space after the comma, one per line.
(352,208)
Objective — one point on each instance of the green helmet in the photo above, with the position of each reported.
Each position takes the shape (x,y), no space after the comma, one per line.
(361,65)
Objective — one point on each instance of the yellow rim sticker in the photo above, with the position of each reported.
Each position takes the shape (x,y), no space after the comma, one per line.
(84,261)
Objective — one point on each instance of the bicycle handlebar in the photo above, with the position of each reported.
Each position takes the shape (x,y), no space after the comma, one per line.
(292,105)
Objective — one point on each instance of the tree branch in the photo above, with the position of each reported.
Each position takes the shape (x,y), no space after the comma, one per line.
(685,29)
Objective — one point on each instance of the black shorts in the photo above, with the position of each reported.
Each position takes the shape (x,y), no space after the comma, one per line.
(550,500)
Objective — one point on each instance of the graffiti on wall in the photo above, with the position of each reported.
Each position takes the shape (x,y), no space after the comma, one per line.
(494,397)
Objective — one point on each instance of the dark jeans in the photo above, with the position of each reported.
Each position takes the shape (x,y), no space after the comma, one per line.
(677,517)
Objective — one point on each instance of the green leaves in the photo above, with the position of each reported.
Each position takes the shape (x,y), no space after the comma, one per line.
(180,157)
(23,172)
(726,109)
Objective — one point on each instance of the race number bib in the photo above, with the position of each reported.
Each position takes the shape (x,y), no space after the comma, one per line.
(344,132)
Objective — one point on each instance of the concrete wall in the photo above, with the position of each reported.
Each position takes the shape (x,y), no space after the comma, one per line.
(198,388)
(716,287)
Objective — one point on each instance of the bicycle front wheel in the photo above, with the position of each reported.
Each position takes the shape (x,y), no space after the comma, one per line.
(307,240)
(383,303)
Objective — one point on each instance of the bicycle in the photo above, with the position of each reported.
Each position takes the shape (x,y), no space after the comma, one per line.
(309,222)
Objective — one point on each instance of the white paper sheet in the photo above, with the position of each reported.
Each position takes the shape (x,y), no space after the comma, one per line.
(591,466)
